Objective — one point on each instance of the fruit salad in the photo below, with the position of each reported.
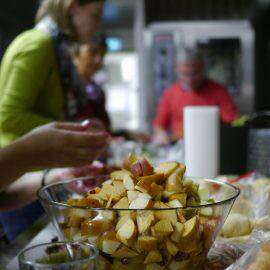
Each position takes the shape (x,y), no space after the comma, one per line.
(145,218)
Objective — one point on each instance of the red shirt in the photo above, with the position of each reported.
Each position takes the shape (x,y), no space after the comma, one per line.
(170,110)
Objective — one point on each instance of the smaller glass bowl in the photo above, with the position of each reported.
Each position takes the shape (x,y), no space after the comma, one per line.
(59,256)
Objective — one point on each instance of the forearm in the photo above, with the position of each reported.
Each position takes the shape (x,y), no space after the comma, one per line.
(21,192)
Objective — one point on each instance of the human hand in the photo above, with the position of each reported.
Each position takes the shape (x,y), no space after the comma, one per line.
(60,145)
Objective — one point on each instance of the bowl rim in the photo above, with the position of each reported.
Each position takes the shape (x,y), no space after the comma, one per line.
(94,256)
(62,204)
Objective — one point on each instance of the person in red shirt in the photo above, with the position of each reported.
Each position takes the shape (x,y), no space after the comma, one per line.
(193,89)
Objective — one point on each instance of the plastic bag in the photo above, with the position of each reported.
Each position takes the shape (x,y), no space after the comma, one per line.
(257,255)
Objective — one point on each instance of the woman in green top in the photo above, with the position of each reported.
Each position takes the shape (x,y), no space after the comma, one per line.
(35,76)
(36,80)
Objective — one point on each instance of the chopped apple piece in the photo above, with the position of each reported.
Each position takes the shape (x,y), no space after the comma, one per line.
(169,215)
(178,232)
(141,203)
(181,197)
(141,189)
(119,190)
(124,252)
(110,246)
(207,211)
(171,247)
(109,202)
(127,232)
(94,227)
(109,214)
(146,243)
(122,221)
(204,194)
(107,182)
(129,160)
(162,229)
(132,195)
(136,169)
(190,227)
(155,191)
(122,204)
(174,183)
(147,168)
(144,196)
(146,181)
(174,265)
(174,204)
(166,168)
(105,192)
(129,182)
(145,219)
(119,175)
(166,194)
(153,257)
(154,266)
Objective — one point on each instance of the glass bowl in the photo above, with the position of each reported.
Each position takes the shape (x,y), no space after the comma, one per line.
(59,255)
(152,239)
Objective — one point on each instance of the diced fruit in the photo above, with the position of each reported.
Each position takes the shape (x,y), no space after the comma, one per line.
(136,169)
(141,203)
(124,252)
(129,160)
(146,243)
(127,232)
(119,190)
(166,194)
(174,183)
(145,182)
(109,202)
(119,175)
(107,182)
(144,196)
(132,195)
(129,182)
(154,266)
(178,232)
(106,192)
(171,247)
(162,229)
(122,204)
(206,211)
(93,240)
(155,191)
(141,189)
(174,265)
(181,197)
(169,215)
(204,194)
(108,214)
(190,227)
(94,227)
(110,246)
(123,220)
(146,167)
(166,168)
(174,204)
(153,257)
(145,219)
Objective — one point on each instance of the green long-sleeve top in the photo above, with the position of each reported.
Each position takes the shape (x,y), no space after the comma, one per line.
(30,89)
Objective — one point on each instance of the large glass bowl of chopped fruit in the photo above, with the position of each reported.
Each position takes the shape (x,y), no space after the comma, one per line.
(141,217)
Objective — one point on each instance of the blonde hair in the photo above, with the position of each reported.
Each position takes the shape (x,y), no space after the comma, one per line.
(58,11)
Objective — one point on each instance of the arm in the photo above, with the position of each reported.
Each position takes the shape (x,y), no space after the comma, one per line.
(228,110)
(162,120)
(23,77)
(52,146)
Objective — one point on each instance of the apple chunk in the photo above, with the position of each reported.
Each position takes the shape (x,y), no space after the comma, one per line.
(145,182)
(162,229)
(119,175)
(178,232)
(141,203)
(146,243)
(132,195)
(145,219)
(174,183)
(94,227)
(110,246)
(129,160)
(171,247)
(127,232)
(190,227)
(153,257)
(166,168)
(124,252)
(129,182)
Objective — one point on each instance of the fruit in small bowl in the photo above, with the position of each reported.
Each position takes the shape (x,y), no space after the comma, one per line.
(141,216)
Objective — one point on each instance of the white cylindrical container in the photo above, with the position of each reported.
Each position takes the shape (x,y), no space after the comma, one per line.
(201,140)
